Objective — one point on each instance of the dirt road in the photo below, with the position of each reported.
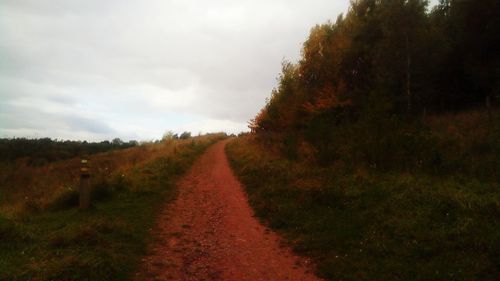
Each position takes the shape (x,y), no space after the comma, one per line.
(209,232)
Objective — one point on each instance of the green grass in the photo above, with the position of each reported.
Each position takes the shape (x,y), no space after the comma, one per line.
(375,226)
(103,243)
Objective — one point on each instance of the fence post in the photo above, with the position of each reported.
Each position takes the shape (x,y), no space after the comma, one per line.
(84,185)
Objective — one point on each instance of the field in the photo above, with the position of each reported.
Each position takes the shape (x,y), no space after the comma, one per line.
(360,223)
(44,236)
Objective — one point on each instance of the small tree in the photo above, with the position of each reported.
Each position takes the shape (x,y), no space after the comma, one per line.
(185,135)
(117,141)
(168,136)
(133,143)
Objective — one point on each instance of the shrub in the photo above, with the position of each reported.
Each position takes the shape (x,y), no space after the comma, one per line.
(185,135)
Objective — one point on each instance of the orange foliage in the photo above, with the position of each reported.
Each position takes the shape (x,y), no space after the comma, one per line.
(327,98)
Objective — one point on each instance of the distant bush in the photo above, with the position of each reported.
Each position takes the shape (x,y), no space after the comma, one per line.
(169,135)
(185,135)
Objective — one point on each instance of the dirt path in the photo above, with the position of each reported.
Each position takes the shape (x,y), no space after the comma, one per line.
(209,232)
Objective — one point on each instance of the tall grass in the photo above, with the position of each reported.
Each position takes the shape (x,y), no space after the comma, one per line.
(362,223)
(59,242)
(22,185)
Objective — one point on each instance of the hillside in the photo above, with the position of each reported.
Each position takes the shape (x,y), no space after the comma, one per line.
(44,236)
(378,152)
(364,223)
(26,185)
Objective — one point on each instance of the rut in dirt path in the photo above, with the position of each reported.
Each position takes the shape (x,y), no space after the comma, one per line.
(209,232)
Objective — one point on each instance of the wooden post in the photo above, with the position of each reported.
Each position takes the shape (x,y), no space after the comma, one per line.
(84,185)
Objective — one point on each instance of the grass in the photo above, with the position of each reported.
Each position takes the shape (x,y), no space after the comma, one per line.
(23,184)
(59,242)
(368,225)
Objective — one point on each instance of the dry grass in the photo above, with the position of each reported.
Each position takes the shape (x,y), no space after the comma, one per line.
(106,242)
(24,186)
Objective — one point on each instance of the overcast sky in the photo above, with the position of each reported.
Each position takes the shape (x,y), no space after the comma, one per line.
(96,69)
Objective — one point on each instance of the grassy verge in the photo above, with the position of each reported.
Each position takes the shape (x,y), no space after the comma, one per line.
(59,242)
(364,225)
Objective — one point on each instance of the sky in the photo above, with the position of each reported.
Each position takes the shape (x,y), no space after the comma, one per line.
(96,70)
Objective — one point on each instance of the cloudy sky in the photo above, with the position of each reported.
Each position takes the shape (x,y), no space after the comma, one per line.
(98,69)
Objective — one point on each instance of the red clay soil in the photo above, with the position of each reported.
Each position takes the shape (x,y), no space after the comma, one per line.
(210,233)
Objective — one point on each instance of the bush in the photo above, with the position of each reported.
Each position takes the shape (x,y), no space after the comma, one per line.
(185,135)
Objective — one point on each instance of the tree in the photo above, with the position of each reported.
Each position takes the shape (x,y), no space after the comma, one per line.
(169,135)
(185,135)
(117,141)
(384,59)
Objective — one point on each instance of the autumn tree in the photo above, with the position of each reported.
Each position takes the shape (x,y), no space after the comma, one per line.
(385,59)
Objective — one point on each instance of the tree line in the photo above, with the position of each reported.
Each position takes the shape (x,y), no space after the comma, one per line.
(394,56)
(365,82)
(43,150)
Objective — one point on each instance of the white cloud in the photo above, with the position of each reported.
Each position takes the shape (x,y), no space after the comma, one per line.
(135,69)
